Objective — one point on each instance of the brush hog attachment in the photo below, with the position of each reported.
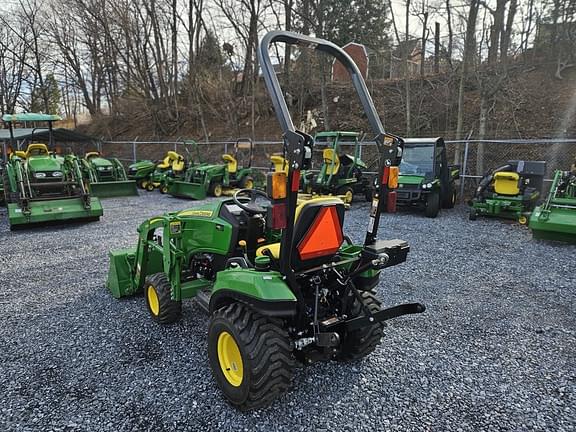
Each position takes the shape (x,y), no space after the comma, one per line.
(556,218)
(67,209)
(114,189)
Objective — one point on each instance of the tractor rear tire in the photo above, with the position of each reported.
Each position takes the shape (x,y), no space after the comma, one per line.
(449,200)
(473,215)
(250,356)
(162,308)
(359,343)
(432,204)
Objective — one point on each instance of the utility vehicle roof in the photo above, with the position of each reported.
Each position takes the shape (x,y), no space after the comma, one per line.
(430,141)
(30,117)
(42,134)
(337,133)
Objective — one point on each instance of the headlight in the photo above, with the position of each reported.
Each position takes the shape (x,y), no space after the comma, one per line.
(39,175)
(429,185)
(424,186)
(57,174)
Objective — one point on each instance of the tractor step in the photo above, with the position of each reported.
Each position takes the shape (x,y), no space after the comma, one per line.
(203,299)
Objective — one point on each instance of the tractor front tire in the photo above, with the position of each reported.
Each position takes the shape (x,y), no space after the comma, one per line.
(215,189)
(161,307)
(359,343)
(164,189)
(247,183)
(473,215)
(149,186)
(432,204)
(347,192)
(449,200)
(250,356)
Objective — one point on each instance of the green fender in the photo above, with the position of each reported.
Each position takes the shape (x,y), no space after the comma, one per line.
(264,291)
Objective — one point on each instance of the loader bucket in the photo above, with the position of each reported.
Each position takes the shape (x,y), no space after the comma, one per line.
(58,210)
(120,280)
(559,223)
(188,190)
(114,189)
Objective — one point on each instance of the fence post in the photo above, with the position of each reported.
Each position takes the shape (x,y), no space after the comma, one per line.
(463,176)
(134,149)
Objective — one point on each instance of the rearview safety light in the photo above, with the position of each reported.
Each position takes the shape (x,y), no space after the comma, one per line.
(393,177)
(277,185)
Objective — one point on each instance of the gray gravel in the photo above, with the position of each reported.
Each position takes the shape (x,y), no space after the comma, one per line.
(495,350)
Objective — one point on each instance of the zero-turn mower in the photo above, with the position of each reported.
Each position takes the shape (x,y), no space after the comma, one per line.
(107,176)
(510,191)
(218,179)
(42,187)
(282,282)
(555,219)
(426,180)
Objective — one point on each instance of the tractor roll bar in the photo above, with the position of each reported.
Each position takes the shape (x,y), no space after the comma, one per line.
(320,45)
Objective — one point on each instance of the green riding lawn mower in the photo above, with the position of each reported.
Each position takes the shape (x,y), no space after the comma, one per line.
(107,176)
(199,181)
(426,180)
(341,173)
(510,191)
(172,166)
(281,282)
(140,171)
(42,187)
(555,219)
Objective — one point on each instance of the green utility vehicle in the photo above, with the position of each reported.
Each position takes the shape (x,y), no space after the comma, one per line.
(341,173)
(107,176)
(555,219)
(41,187)
(426,180)
(281,282)
(510,191)
(216,179)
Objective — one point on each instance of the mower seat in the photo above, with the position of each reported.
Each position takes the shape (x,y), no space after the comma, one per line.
(19,153)
(91,155)
(231,163)
(36,149)
(317,232)
(178,164)
(280,164)
(506,183)
(332,161)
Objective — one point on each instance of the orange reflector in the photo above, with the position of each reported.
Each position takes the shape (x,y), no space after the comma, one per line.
(393,177)
(277,185)
(324,237)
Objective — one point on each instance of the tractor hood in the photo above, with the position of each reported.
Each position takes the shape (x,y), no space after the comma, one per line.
(99,162)
(142,164)
(44,163)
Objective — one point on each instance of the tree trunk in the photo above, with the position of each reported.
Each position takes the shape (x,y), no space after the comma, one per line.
(407,71)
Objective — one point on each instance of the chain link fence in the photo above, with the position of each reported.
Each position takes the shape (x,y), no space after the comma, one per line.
(475,157)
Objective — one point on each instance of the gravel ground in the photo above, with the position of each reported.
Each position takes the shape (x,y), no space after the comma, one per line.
(494,351)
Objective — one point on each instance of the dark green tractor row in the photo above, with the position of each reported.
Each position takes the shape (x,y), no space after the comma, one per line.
(281,281)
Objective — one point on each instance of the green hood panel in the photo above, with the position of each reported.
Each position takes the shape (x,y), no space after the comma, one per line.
(410,179)
(99,162)
(44,163)
(262,285)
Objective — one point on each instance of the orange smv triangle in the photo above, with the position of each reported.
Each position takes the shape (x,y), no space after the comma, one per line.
(324,237)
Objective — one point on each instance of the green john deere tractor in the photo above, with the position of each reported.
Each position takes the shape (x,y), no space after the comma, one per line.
(555,219)
(41,187)
(510,191)
(217,179)
(281,282)
(107,176)
(426,180)
(341,173)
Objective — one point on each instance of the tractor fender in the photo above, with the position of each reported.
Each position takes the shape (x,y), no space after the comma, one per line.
(263,291)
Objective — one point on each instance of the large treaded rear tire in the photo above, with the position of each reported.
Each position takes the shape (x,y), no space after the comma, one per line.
(432,204)
(166,311)
(266,352)
(359,343)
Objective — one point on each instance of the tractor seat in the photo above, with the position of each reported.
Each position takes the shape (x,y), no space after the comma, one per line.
(332,161)
(506,183)
(19,153)
(178,164)
(231,163)
(317,232)
(168,160)
(91,155)
(36,149)
(280,164)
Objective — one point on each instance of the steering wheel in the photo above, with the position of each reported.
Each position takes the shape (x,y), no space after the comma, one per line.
(252,194)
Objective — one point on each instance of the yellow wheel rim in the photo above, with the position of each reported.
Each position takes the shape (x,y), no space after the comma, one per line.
(153,300)
(523,220)
(249,184)
(230,359)
(348,196)
(217,190)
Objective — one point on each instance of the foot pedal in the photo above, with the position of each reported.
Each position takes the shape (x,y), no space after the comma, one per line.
(203,299)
